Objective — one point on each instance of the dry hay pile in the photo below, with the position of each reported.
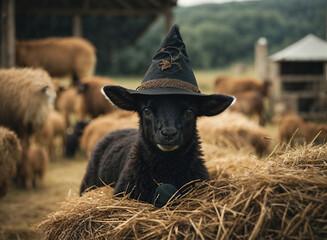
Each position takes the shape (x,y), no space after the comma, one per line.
(285,199)
(232,129)
(228,161)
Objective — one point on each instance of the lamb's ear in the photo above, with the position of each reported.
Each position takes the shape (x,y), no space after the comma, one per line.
(119,96)
(214,104)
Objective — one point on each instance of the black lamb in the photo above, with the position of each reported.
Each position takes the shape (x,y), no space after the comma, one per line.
(164,155)
(165,148)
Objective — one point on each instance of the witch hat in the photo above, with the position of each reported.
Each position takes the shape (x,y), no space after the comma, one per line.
(170,72)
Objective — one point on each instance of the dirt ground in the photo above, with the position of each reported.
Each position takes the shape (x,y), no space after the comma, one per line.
(21,209)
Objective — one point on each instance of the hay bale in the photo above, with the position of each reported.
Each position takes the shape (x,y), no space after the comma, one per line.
(228,161)
(236,130)
(284,199)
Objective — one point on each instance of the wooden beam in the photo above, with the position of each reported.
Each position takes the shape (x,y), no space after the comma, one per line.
(8,33)
(86,4)
(169,19)
(124,4)
(155,3)
(102,4)
(77,26)
(140,3)
(81,11)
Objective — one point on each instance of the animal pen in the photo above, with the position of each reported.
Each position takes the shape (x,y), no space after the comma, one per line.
(77,9)
(299,77)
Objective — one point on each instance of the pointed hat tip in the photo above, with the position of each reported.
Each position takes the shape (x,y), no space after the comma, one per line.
(174,33)
(174,28)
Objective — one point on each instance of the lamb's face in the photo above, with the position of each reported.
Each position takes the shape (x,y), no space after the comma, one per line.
(167,122)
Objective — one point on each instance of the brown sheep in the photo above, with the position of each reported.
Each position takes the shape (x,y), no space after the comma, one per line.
(58,56)
(90,100)
(249,91)
(25,97)
(10,156)
(33,167)
(54,127)
(101,126)
(233,86)
(65,103)
(292,127)
(250,103)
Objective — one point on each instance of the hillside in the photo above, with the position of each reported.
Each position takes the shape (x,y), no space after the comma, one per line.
(218,34)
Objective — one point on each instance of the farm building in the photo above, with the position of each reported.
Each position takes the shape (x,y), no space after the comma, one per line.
(77,10)
(299,78)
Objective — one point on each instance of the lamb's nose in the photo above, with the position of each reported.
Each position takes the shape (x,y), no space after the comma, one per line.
(169,133)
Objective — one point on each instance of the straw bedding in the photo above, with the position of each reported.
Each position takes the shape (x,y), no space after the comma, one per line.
(284,198)
(234,129)
(229,162)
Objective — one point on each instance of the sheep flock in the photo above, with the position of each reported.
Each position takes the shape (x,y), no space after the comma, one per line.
(267,179)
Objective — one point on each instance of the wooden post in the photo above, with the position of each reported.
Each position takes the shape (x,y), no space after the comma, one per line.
(260,59)
(77,26)
(8,33)
(169,19)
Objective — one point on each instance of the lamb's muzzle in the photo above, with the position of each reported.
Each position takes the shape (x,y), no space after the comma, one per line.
(167,148)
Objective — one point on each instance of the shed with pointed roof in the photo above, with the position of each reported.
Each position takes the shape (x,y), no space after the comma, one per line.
(299,78)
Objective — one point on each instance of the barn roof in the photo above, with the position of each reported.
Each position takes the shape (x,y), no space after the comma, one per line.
(309,48)
(149,9)
(99,7)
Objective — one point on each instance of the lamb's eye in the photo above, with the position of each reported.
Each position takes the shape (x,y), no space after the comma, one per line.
(147,112)
(188,113)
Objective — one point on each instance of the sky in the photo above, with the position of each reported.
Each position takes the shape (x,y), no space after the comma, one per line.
(186,3)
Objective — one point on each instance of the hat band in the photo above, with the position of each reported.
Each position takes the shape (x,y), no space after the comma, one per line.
(168,83)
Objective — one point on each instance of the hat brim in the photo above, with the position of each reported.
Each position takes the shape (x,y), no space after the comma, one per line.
(176,91)
(211,104)
(164,91)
